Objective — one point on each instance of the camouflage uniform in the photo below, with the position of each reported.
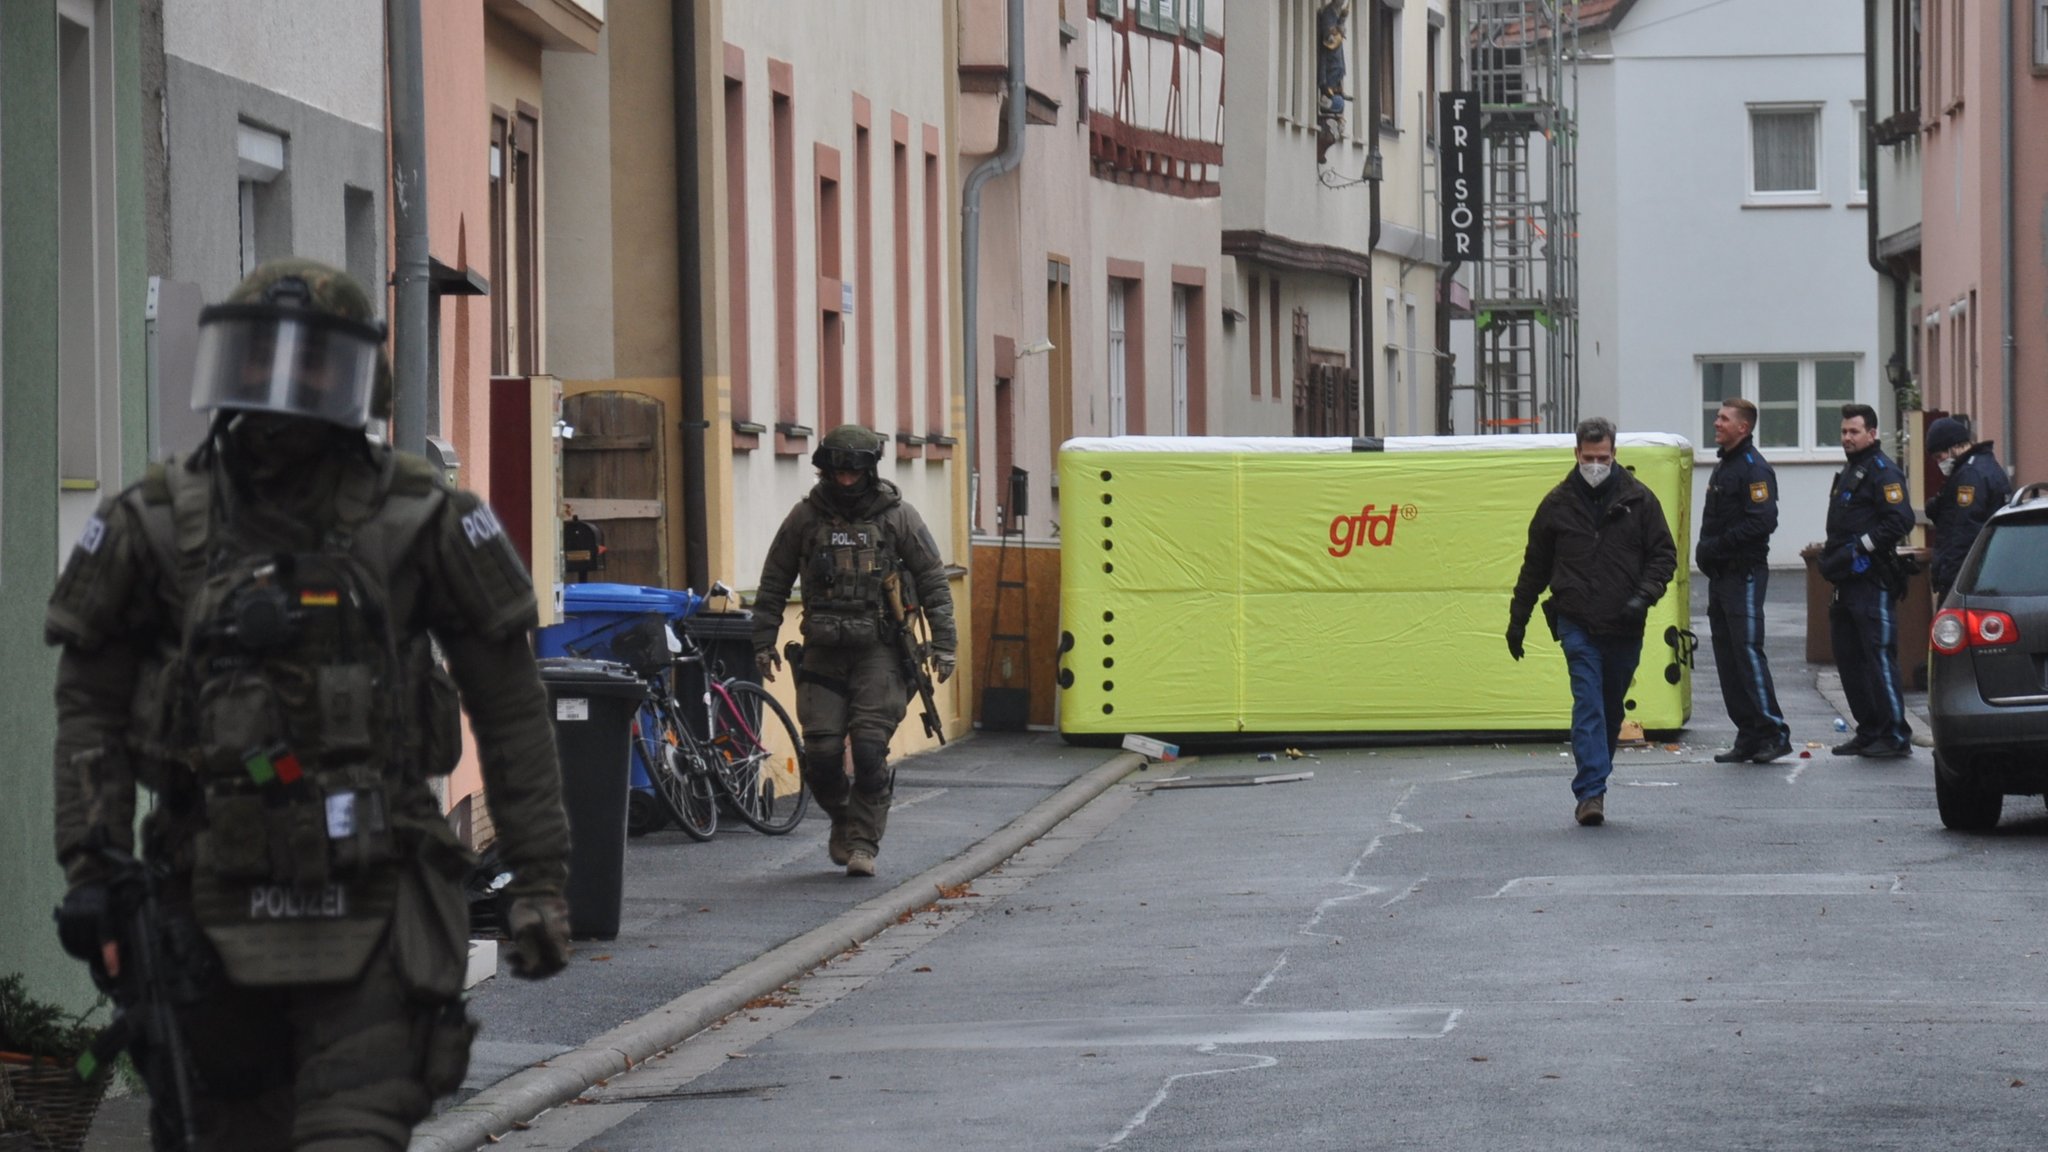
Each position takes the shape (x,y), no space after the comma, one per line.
(291,795)
(841,542)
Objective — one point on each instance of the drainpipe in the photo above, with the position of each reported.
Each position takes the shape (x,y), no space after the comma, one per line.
(1446,367)
(1374,169)
(970,241)
(2008,306)
(410,372)
(1870,210)
(690,297)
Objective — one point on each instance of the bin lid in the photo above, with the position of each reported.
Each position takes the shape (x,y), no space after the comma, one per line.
(595,677)
(627,599)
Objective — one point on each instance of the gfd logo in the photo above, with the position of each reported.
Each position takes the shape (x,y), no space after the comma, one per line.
(1369,528)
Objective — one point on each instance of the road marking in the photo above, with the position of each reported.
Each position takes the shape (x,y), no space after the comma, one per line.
(1172,1031)
(1158,1098)
(1706,884)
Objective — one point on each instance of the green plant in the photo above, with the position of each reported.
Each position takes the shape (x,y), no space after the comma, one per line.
(39,1030)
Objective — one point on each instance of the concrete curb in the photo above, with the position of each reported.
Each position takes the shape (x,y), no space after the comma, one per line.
(1829,685)
(524,1095)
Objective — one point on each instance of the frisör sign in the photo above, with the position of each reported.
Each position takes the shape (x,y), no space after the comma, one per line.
(1461,195)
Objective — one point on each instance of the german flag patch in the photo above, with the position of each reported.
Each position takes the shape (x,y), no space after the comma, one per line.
(319,598)
(1759,492)
(1966,495)
(1894,493)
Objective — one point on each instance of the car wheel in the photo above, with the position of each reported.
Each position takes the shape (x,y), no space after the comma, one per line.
(1964,809)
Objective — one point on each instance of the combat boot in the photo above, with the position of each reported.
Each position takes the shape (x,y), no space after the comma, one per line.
(860,863)
(835,845)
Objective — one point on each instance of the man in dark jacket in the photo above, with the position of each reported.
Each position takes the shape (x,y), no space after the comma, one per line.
(1735,546)
(845,540)
(1600,543)
(1977,486)
(1868,514)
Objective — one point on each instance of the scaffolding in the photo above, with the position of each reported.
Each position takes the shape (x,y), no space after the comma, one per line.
(1525,295)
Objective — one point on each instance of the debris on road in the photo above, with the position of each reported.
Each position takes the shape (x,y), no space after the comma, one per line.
(1151,749)
(1229,781)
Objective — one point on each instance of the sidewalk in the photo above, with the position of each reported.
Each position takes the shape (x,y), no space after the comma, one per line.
(707,927)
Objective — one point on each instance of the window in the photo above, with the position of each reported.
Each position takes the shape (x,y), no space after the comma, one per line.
(782,180)
(1905,49)
(1386,47)
(364,248)
(739,281)
(831,338)
(1956,43)
(1109,9)
(1798,399)
(2041,33)
(515,241)
(906,395)
(1059,325)
(1784,152)
(1862,154)
(263,213)
(1252,321)
(1429,91)
(934,302)
(1118,356)
(864,267)
(1933,78)
(90,315)
(1180,359)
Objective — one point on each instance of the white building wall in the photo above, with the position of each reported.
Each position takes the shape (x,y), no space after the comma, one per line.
(1697,270)
(329,55)
(893,53)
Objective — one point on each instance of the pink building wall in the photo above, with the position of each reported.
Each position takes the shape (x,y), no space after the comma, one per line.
(1960,324)
(458,214)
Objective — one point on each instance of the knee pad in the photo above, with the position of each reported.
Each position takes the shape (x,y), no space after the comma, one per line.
(871,772)
(825,772)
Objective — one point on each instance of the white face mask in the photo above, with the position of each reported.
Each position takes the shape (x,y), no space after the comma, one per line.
(1947,464)
(1595,474)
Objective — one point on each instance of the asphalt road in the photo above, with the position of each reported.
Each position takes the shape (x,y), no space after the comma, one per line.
(1418,949)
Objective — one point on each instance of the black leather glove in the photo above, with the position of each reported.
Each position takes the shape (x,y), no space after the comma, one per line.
(85,927)
(1636,605)
(539,927)
(767,661)
(1517,632)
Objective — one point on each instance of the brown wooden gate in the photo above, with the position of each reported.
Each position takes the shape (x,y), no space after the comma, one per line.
(613,476)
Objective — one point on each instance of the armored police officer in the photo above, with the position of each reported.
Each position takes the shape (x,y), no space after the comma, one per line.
(246,633)
(1868,514)
(1976,487)
(848,540)
(1740,514)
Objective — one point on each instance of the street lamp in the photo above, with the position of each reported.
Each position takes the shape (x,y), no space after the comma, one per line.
(1895,370)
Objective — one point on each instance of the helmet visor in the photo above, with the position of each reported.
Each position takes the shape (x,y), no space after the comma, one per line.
(844,459)
(259,358)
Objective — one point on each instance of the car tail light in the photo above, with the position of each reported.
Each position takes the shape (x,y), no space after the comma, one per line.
(1955,630)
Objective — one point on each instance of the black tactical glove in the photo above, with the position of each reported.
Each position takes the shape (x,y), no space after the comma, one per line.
(539,927)
(1517,631)
(943,664)
(767,661)
(86,930)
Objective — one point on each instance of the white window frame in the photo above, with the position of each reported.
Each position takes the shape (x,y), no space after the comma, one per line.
(1859,190)
(1801,198)
(2041,36)
(1818,439)
(1180,359)
(259,160)
(1118,354)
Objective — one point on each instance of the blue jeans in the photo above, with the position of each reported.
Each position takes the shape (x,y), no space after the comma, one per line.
(1601,668)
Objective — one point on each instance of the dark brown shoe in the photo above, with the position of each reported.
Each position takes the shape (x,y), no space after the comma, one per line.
(1591,811)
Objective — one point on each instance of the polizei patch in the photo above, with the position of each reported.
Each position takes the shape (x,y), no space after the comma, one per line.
(481,525)
(284,902)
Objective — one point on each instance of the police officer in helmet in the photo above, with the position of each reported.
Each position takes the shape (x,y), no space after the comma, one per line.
(245,632)
(844,541)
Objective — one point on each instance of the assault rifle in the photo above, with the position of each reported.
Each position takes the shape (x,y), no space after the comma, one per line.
(158,969)
(914,654)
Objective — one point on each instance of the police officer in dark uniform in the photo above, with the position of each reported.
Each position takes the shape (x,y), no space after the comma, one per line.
(1734,552)
(848,541)
(246,633)
(1868,514)
(1977,486)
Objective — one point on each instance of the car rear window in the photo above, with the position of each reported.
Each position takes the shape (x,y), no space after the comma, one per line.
(2013,562)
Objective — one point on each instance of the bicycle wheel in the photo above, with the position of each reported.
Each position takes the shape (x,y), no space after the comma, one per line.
(757,757)
(683,790)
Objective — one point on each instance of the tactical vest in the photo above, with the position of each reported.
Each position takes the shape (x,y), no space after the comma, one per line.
(844,565)
(300,720)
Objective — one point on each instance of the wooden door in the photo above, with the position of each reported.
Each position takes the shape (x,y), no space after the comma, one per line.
(612,475)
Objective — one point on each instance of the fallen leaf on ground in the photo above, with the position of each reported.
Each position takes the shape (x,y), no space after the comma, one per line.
(922,968)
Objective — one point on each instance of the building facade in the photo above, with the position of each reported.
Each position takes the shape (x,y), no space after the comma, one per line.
(1721,161)
(73,403)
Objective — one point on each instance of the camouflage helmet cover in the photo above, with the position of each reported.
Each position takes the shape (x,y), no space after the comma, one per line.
(849,448)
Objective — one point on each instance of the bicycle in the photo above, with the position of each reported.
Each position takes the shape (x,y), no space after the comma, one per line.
(749,753)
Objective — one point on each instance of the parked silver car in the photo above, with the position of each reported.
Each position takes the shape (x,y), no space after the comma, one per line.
(1987,679)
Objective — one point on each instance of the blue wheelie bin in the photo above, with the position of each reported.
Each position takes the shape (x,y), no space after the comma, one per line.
(620,622)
